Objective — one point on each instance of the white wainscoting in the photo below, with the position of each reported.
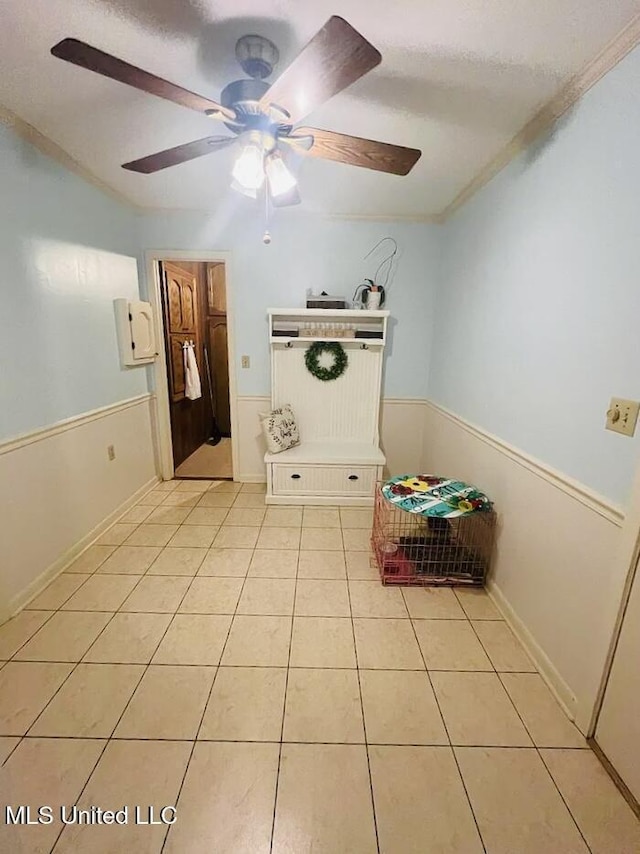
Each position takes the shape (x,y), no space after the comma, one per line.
(59,491)
(555,576)
(401,436)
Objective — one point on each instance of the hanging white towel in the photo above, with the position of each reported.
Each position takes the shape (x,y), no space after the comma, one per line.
(192,386)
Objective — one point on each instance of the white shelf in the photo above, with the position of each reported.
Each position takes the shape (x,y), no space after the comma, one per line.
(285,339)
(326,312)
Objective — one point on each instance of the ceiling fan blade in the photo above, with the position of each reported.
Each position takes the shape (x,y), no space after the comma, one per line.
(356,151)
(292,197)
(335,58)
(86,56)
(179,154)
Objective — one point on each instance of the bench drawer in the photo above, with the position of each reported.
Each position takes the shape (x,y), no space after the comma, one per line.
(323,480)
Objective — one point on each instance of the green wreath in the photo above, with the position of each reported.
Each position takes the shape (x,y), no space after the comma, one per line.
(312,360)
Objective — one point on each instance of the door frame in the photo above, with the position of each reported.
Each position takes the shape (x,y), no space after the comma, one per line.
(162,426)
(628,556)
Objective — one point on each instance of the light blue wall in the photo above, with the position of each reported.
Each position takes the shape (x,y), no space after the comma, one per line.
(539,303)
(318,253)
(58,351)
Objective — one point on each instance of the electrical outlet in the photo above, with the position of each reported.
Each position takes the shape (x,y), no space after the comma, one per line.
(245,362)
(111,452)
(622,416)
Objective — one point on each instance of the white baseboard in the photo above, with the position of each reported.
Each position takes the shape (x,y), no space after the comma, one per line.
(38,584)
(251,478)
(556,684)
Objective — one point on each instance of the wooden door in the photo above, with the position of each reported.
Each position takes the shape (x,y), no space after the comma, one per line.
(181,291)
(618,729)
(217,344)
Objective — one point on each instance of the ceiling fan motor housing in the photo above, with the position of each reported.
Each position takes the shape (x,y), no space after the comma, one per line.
(256,55)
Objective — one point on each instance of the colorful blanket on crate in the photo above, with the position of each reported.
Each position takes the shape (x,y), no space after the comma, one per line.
(434,496)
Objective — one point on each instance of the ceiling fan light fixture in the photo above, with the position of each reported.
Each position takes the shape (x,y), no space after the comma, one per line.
(281,179)
(248,169)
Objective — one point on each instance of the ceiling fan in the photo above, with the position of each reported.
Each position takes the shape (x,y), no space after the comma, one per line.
(263,116)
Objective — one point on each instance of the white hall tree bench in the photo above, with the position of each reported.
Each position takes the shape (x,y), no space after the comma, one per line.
(338,460)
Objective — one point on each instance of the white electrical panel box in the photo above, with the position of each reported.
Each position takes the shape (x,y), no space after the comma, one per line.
(136,332)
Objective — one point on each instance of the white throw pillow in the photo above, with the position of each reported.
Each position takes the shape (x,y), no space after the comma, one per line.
(280,429)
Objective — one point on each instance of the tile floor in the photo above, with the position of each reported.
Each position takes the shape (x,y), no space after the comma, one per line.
(244,664)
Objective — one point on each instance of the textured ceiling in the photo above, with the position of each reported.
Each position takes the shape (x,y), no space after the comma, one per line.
(458,79)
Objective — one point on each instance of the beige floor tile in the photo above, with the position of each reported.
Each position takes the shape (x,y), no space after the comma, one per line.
(258,642)
(476,603)
(137,514)
(167,485)
(247,516)
(322,642)
(164,515)
(57,593)
(249,499)
(269,596)
(226,562)
(356,518)
(183,499)
(516,804)
(17,631)
(359,566)
(547,724)
(226,487)
(450,645)
(324,800)
(387,645)
(102,593)
(226,802)
(215,498)
(91,559)
(356,539)
(178,560)
(153,498)
(159,593)
(168,703)
(7,744)
(322,564)
(129,639)
(90,702)
(212,596)
(193,639)
(62,768)
(604,817)
(432,814)
(117,534)
(151,535)
(321,517)
(194,485)
(279,538)
(283,517)
(130,560)
(400,708)
(194,536)
(236,537)
(502,647)
(246,704)
(477,710)
(321,598)
(323,706)
(321,539)
(432,603)
(371,599)
(130,773)
(255,488)
(206,516)
(25,689)
(274,563)
(66,637)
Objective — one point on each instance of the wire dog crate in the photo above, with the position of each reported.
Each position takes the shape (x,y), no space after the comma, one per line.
(410,548)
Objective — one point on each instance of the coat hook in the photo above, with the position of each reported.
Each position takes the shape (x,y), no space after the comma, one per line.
(289,344)
(364,346)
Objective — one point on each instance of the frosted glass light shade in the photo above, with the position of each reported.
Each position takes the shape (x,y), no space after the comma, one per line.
(248,169)
(281,180)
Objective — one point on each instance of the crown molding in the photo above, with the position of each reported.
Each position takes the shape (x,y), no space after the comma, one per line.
(577,86)
(51,149)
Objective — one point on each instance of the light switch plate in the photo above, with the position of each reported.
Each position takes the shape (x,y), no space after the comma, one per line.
(622,416)
(246,362)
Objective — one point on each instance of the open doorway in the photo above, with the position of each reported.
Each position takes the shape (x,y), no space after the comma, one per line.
(192,301)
